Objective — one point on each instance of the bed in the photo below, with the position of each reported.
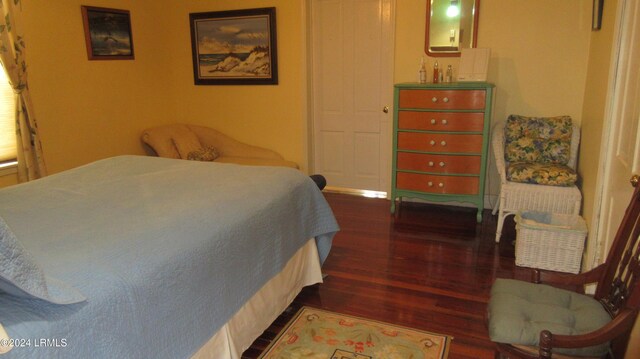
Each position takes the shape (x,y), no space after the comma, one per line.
(140,257)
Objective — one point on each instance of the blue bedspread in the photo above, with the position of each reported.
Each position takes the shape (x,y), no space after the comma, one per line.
(166,251)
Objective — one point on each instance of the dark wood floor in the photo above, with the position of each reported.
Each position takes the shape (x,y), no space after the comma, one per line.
(427,267)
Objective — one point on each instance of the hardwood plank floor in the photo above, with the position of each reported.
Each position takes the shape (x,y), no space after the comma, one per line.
(428,267)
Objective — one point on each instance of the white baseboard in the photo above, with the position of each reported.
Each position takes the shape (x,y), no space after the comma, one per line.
(489,202)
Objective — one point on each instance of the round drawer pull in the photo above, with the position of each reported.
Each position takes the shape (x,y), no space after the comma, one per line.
(444,122)
(445,100)
(430,184)
(434,99)
(430,163)
(433,121)
(441,185)
(443,143)
(441,164)
(432,142)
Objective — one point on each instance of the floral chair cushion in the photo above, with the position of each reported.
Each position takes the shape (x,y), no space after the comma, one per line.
(540,173)
(538,139)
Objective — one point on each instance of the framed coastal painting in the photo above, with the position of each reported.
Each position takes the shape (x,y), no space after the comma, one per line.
(107,33)
(236,47)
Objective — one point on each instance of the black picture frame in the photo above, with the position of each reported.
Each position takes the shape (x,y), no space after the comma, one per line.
(234,47)
(107,33)
(596,21)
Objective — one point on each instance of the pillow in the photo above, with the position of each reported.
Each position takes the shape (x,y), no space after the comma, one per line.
(21,276)
(208,153)
(159,139)
(538,139)
(540,173)
(185,141)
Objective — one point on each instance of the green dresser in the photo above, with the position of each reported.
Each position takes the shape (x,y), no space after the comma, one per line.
(441,141)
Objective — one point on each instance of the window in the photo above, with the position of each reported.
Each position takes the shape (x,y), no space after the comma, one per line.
(7,122)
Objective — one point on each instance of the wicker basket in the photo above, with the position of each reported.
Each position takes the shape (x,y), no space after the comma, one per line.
(550,241)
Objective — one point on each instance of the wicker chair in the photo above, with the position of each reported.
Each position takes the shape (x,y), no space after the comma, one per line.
(516,197)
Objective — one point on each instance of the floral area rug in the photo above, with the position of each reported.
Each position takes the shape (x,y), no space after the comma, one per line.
(320,334)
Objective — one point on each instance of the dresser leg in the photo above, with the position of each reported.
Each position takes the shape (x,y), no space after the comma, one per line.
(479,215)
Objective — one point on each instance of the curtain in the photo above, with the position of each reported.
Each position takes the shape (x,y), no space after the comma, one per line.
(12,55)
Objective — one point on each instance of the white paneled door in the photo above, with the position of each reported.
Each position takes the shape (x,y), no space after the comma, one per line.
(622,155)
(621,158)
(352,54)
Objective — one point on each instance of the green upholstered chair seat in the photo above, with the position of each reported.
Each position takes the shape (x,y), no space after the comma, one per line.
(518,311)
(541,173)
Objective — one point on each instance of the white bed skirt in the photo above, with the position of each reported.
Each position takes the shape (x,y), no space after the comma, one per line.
(265,306)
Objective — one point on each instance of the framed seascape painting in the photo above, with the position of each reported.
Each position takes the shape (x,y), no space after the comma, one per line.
(236,47)
(107,33)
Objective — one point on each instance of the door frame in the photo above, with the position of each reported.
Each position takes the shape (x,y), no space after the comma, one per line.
(386,126)
(598,228)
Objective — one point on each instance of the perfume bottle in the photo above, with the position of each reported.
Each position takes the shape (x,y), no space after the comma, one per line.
(436,73)
(449,75)
(422,72)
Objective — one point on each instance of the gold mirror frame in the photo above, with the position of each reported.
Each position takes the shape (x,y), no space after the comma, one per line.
(471,14)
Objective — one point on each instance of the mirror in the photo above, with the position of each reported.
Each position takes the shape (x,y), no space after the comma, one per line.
(451,25)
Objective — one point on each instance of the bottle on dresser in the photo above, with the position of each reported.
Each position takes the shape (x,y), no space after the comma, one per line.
(436,73)
(422,72)
(449,75)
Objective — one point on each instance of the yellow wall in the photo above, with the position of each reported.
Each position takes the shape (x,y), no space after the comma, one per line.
(94,109)
(272,116)
(88,110)
(539,55)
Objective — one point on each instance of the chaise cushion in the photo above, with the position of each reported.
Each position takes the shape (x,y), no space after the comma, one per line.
(538,139)
(518,311)
(540,173)
(206,144)
(171,141)
(249,161)
(185,141)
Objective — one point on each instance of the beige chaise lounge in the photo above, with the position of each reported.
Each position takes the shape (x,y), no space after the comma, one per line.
(180,140)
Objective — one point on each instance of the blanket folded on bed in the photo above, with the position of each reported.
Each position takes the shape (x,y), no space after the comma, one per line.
(164,250)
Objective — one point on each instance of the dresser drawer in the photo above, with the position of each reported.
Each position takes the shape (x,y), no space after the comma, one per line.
(441,121)
(435,142)
(437,184)
(443,99)
(438,163)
